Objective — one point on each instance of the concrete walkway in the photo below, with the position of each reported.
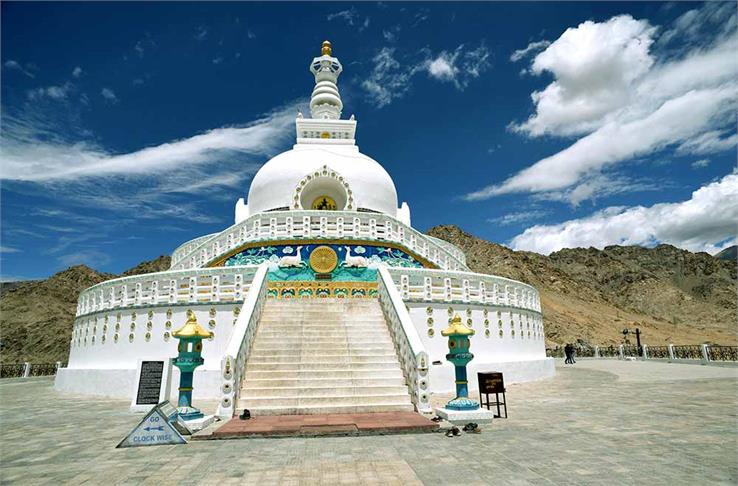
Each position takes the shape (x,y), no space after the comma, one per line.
(596,422)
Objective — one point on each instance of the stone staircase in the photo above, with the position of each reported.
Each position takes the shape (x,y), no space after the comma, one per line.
(314,356)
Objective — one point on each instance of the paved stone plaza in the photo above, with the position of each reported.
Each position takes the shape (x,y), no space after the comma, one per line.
(597,422)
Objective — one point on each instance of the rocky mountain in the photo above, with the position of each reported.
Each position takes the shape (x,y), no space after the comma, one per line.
(730,253)
(36,316)
(590,295)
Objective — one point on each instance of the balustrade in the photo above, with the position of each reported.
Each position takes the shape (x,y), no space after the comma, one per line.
(317,225)
(222,284)
(427,285)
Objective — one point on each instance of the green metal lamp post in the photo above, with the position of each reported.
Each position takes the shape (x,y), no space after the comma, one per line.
(458,345)
(190,357)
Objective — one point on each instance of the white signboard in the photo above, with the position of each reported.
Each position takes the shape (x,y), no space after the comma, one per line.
(154,429)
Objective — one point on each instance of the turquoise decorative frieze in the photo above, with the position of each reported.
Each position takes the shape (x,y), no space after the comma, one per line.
(371,254)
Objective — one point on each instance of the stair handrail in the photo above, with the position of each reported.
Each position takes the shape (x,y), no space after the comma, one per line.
(234,361)
(410,349)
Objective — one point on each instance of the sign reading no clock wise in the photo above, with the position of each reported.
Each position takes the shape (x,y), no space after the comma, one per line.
(154,429)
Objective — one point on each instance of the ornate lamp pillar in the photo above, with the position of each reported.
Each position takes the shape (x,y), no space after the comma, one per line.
(190,357)
(458,346)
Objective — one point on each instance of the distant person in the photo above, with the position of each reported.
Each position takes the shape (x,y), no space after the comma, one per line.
(573,354)
(567,353)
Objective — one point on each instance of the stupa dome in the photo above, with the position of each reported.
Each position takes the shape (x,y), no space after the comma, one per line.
(299,178)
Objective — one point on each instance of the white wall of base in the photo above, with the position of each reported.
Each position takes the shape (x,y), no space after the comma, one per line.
(112,383)
(442,377)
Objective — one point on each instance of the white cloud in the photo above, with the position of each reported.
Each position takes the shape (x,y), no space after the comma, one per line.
(77,72)
(390,79)
(109,95)
(15,65)
(351,17)
(91,258)
(28,155)
(533,47)
(676,120)
(594,65)
(609,91)
(8,249)
(706,222)
(442,67)
(58,93)
(699,164)
(519,217)
(693,24)
(201,33)
(709,143)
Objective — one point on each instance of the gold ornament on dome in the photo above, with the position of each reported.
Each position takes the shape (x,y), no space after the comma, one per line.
(324,203)
(323,259)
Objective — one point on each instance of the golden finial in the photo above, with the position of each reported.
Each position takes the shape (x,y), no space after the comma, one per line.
(191,328)
(326,50)
(457,328)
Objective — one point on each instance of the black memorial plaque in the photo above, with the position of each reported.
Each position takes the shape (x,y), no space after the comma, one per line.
(149,384)
(491,383)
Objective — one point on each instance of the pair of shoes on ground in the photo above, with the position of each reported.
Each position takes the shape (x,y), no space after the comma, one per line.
(472,428)
(436,419)
(453,432)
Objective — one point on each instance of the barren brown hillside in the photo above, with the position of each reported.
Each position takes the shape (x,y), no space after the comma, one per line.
(36,317)
(590,295)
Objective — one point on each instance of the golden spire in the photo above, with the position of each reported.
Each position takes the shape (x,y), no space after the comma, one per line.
(326,50)
(191,328)
(457,328)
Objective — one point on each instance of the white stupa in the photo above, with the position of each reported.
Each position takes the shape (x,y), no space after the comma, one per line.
(321,296)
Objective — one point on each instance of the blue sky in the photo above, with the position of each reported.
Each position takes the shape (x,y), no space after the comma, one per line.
(129,128)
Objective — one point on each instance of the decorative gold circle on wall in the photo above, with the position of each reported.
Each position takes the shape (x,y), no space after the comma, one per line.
(323,259)
(324,203)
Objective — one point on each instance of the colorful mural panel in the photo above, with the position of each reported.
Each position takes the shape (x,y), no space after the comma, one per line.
(356,263)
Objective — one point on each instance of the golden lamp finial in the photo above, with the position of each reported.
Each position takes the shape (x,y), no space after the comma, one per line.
(456,327)
(191,328)
(326,50)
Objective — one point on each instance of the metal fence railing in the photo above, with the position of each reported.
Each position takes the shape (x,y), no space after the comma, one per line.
(690,352)
(24,370)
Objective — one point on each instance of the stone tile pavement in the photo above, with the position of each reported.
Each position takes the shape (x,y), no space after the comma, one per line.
(597,422)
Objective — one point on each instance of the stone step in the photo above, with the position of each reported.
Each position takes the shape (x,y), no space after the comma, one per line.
(315,410)
(258,354)
(321,302)
(308,358)
(337,333)
(327,310)
(334,373)
(331,400)
(312,340)
(320,347)
(321,320)
(250,393)
(323,382)
(315,366)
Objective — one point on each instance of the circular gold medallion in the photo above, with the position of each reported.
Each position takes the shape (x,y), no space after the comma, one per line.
(323,259)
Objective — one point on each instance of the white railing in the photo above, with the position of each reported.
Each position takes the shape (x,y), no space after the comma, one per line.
(312,225)
(413,358)
(221,284)
(426,285)
(188,246)
(233,364)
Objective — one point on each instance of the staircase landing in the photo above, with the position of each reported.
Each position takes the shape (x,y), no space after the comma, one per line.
(336,424)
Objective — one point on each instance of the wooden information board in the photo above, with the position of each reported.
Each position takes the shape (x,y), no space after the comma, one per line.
(491,382)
